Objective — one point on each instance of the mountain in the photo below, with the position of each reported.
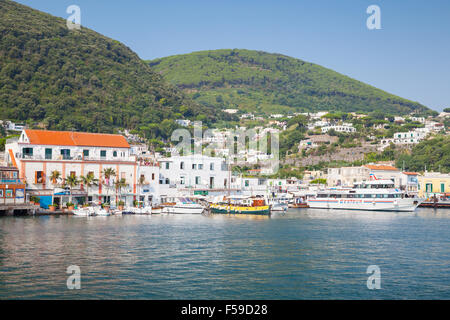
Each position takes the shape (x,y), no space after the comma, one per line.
(260,81)
(79,79)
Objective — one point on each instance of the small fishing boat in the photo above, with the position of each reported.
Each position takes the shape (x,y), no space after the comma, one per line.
(99,211)
(184,207)
(84,212)
(240,205)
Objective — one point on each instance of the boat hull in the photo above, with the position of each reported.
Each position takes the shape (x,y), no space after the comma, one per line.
(183,210)
(405,204)
(222,209)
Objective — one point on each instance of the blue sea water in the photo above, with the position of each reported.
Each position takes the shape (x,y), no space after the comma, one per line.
(303,254)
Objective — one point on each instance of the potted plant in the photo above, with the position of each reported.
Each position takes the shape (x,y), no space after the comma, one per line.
(135,203)
(106,206)
(121,205)
(32,199)
(37,200)
(70,206)
(52,207)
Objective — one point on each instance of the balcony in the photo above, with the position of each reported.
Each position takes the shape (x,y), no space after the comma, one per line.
(22,156)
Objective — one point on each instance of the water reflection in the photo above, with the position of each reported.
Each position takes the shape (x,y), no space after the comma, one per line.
(305,253)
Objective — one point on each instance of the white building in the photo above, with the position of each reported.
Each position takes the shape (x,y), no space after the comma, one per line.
(345,128)
(183,122)
(38,153)
(192,172)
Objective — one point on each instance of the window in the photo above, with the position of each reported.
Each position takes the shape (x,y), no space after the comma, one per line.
(9,193)
(211,166)
(182,165)
(153,176)
(442,187)
(429,187)
(167,181)
(86,153)
(1,193)
(247,183)
(114,153)
(27,152)
(102,153)
(182,180)
(39,177)
(65,154)
(167,165)
(200,166)
(211,182)
(197,180)
(194,166)
(48,154)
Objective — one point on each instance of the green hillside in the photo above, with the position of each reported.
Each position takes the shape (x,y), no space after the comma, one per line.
(260,81)
(78,79)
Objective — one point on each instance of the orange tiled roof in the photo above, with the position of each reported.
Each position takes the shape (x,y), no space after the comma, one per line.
(411,173)
(381,167)
(68,138)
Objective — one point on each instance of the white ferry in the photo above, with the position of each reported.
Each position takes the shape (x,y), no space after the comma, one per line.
(374,195)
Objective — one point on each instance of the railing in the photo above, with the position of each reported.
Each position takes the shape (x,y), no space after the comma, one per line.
(75,158)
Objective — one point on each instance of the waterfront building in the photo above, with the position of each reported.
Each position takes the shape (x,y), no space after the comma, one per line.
(196,173)
(12,188)
(409,182)
(346,176)
(433,184)
(38,153)
(385,172)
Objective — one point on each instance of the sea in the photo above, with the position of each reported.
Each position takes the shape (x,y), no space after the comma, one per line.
(300,254)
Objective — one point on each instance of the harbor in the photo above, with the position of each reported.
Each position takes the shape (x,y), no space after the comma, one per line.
(298,254)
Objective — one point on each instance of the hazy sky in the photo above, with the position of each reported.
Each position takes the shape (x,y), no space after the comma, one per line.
(409,56)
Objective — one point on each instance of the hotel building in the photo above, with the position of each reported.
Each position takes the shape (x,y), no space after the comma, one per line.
(38,153)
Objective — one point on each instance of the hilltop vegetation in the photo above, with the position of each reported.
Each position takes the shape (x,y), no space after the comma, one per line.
(79,80)
(432,154)
(273,83)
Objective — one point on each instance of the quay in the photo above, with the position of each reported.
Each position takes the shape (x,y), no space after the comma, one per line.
(18,210)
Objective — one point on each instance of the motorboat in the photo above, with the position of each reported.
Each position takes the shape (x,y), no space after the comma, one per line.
(84,212)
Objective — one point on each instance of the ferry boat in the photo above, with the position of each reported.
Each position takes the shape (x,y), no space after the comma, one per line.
(241,205)
(373,195)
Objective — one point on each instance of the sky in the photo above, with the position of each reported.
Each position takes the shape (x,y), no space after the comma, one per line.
(409,56)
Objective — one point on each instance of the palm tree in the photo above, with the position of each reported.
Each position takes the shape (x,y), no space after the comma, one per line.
(108,173)
(122,183)
(54,177)
(140,183)
(89,180)
(71,181)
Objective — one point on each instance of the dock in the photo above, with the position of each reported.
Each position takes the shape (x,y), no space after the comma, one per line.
(18,209)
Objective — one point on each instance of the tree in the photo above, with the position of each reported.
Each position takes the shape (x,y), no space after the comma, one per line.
(88,181)
(141,182)
(71,181)
(122,183)
(54,178)
(108,174)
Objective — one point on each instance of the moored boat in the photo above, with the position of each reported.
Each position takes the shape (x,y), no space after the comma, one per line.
(374,195)
(241,205)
